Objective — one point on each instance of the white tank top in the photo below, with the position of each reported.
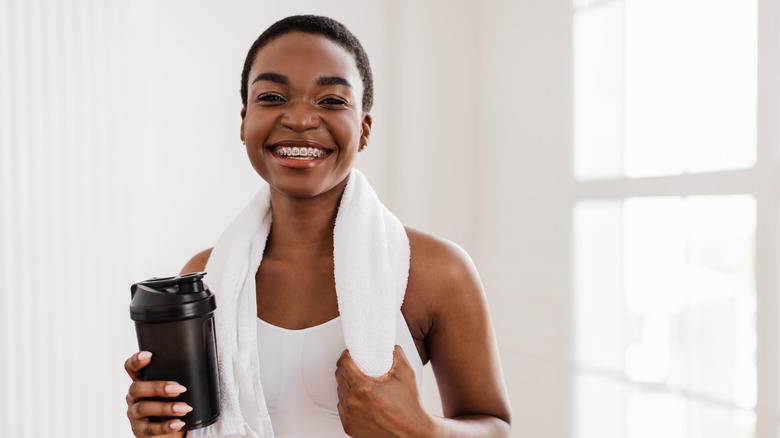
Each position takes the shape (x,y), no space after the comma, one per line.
(297,371)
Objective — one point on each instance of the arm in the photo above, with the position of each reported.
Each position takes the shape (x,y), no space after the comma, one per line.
(446,308)
(460,343)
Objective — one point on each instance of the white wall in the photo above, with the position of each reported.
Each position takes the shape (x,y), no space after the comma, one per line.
(524,224)
(470,141)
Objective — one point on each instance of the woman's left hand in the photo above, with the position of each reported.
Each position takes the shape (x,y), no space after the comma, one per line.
(385,406)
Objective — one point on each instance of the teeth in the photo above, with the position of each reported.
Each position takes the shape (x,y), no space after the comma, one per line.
(300,153)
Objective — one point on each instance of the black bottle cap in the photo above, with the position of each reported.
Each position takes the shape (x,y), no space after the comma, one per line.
(171,298)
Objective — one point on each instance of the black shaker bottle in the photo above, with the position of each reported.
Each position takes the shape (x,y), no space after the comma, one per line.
(174,320)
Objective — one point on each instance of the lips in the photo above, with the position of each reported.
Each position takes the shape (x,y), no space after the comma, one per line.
(299,153)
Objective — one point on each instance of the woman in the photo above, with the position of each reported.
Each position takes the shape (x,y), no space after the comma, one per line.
(307,92)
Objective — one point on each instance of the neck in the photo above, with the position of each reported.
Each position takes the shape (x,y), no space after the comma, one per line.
(302,228)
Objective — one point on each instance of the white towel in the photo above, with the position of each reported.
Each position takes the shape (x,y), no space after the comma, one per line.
(371,257)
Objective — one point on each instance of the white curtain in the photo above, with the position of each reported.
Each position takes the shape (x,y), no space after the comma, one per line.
(64,256)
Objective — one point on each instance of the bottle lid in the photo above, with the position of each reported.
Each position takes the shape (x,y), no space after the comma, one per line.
(171,298)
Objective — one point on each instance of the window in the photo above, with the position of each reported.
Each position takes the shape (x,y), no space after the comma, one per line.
(666,308)
(672,199)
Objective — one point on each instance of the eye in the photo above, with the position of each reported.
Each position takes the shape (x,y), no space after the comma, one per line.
(270,98)
(333,101)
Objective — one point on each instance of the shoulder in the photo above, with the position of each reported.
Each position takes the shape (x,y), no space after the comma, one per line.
(443,284)
(197,263)
(439,261)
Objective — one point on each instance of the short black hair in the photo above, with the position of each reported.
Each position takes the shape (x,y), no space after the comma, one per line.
(317,25)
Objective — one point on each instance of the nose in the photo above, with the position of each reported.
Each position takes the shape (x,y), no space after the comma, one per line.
(300,117)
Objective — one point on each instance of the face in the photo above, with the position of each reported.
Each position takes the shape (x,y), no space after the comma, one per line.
(303,123)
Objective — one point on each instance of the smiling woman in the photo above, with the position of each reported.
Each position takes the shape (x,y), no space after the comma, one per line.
(329,306)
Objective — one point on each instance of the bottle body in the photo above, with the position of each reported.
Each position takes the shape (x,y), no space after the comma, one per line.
(185,352)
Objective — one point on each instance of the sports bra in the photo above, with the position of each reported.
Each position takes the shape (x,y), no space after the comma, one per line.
(297,373)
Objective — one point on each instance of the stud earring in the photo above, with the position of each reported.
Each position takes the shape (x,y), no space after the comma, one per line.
(363,147)
(243,142)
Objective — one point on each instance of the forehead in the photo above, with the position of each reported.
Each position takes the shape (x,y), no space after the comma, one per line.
(306,55)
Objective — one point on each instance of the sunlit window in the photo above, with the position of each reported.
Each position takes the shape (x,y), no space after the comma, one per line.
(665,306)
(665,291)
(664,87)
(599,92)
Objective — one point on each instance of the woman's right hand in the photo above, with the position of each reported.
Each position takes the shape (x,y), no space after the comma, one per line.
(139,410)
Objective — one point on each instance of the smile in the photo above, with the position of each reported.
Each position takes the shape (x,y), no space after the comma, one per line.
(300,153)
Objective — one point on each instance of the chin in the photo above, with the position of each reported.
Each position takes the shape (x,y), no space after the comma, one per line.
(306,185)
(299,189)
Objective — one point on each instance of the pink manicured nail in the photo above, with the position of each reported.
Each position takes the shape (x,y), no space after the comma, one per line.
(144,355)
(182,408)
(176,425)
(174,388)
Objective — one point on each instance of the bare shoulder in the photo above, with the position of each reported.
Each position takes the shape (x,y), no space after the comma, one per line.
(439,262)
(197,263)
(443,286)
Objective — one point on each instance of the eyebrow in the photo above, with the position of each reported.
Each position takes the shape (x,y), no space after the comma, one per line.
(272,77)
(333,80)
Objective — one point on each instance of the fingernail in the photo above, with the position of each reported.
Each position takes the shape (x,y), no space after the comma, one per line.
(174,388)
(144,355)
(182,408)
(176,425)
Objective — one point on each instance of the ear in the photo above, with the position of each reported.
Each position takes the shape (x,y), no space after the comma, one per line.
(243,115)
(365,126)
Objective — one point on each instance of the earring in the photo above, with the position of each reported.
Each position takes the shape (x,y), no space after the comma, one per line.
(243,142)
(363,147)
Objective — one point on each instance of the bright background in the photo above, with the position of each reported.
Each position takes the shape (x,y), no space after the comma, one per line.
(610,165)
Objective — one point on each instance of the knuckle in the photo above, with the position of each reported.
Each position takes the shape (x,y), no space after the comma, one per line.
(136,410)
(363,391)
(136,429)
(149,429)
(353,406)
(134,392)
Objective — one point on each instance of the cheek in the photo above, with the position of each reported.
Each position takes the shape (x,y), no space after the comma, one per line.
(346,130)
(256,128)
(255,133)
(257,160)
